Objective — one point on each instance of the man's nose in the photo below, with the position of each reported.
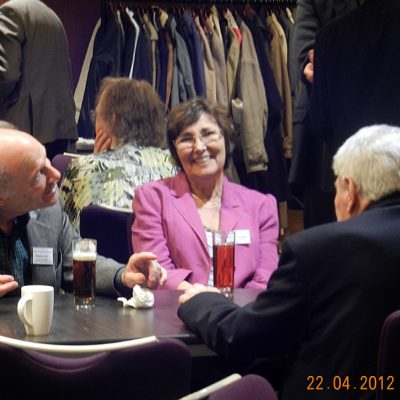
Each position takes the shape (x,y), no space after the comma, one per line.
(54,174)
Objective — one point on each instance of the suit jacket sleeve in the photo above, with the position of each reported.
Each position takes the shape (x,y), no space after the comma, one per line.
(11,37)
(305,30)
(148,233)
(272,325)
(107,281)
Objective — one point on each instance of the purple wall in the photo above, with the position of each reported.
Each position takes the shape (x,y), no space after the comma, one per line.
(79,18)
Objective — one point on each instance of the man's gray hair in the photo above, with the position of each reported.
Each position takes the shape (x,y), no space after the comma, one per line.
(371,158)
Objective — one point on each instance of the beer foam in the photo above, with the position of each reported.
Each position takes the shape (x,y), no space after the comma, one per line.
(80,256)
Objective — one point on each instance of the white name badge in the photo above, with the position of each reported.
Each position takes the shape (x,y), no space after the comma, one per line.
(42,255)
(242,236)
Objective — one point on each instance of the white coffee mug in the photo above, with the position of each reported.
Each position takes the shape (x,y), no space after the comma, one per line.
(35,308)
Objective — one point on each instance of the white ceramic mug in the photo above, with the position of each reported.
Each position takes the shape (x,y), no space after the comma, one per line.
(35,308)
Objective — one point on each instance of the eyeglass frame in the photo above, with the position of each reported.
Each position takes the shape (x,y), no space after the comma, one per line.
(205,138)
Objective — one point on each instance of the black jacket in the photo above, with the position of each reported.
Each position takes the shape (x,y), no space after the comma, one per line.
(325,306)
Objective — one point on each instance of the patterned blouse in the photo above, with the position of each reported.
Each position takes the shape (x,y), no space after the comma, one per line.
(110,178)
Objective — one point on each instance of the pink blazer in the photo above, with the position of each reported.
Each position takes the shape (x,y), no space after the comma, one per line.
(168,224)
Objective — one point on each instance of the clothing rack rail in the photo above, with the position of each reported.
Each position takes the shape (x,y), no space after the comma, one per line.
(199,3)
(277,3)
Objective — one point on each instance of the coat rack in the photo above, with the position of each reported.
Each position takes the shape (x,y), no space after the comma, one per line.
(277,3)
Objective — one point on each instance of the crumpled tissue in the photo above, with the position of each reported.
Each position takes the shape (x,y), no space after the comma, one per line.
(141,298)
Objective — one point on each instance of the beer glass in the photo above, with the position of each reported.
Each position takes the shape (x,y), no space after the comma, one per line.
(84,270)
(224,261)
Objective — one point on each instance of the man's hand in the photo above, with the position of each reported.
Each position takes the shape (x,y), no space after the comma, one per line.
(7,284)
(143,269)
(309,68)
(196,289)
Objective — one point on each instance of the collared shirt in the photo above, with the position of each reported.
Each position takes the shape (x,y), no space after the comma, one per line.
(14,255)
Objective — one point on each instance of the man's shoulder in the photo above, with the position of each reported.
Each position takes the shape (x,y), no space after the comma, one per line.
(373,222)
(30,13)
(24,7)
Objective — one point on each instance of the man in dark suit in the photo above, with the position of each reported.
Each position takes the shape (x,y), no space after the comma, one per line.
(304,177)
(335,284)
(35,74)
(356,77)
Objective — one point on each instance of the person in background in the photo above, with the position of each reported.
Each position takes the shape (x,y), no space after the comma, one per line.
(35,74)
(130,136)
(31,218)
(356,78)
(305,174)
(175,217)
(335,284)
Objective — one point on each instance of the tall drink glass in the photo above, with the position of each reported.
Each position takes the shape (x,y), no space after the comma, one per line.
(224,261)
(84,269)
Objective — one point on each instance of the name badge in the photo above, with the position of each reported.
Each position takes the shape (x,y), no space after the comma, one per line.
(242,236)
(42,255)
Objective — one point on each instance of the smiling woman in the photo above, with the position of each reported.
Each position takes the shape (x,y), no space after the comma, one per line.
(186,209)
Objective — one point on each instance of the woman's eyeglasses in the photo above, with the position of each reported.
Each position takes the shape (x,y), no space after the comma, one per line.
(187,141)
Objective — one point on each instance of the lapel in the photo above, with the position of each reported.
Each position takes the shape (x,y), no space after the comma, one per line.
(33,228)
(44,227)
(184,203)
(230,207)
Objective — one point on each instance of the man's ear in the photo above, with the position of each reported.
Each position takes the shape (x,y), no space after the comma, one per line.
(2,202)
(357,202)
(351,190)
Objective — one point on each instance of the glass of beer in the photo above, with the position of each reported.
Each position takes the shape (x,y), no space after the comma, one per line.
(224,261)
(84,270)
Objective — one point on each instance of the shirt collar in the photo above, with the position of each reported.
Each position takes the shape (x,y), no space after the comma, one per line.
(389,200)
(19,226)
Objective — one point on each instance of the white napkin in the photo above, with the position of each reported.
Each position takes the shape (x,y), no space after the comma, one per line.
(141,298)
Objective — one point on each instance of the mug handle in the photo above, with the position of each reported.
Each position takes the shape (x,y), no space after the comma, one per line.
(22,309)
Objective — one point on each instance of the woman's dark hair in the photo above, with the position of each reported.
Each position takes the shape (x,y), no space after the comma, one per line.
(133,111)
(185,114)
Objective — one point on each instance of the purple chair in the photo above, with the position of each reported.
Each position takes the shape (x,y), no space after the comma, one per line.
(111,228)
(61,162)
(389,356)
(149,372)
(252,387)
(235,387)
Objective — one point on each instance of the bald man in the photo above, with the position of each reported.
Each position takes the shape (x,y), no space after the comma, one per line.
(32,219)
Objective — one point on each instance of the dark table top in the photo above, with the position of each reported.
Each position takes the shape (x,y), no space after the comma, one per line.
(109,321)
